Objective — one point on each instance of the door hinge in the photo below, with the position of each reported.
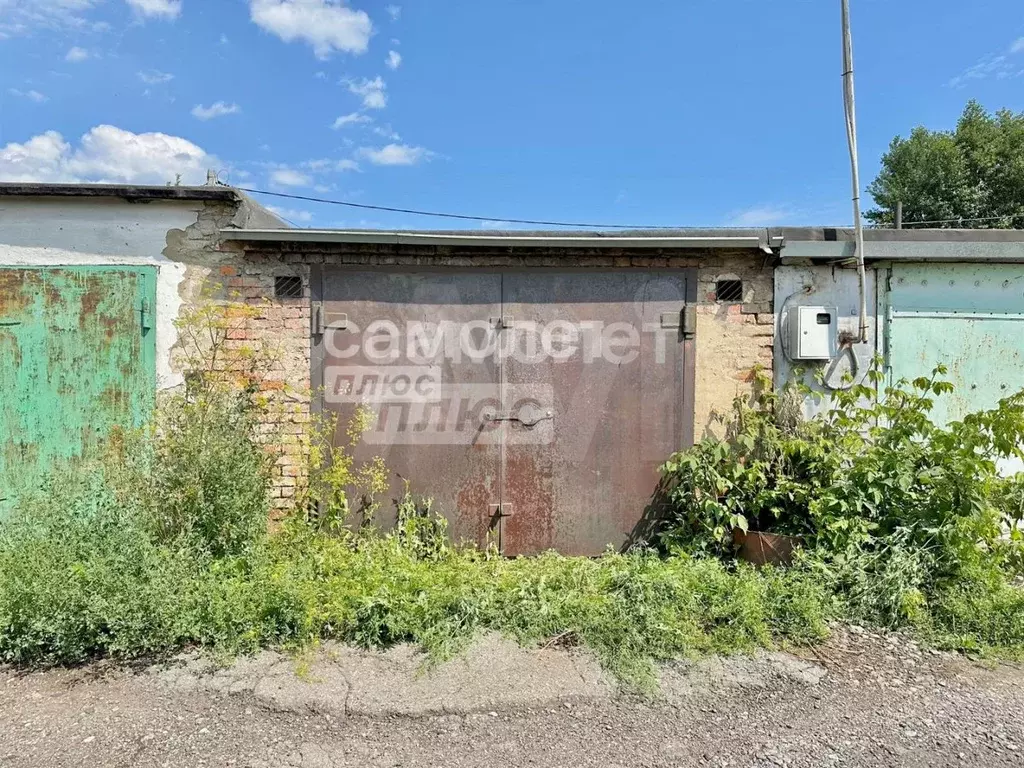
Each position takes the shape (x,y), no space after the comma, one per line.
(146,315)
(689,321)
(322,320)
(684,320)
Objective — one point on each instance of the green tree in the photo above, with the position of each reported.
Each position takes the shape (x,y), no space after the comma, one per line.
(973,172)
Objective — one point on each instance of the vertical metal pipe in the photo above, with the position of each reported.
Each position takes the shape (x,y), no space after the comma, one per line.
(899,214)
(849,103)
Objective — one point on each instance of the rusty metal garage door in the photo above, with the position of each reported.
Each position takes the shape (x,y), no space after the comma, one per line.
(77,359)
(533,406)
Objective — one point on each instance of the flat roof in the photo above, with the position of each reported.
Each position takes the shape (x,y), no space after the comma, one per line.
(791,243)
(134,192)
(682,238)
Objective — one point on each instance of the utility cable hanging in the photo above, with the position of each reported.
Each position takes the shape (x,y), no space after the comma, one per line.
(463,217)
(850,109)
(1007,216)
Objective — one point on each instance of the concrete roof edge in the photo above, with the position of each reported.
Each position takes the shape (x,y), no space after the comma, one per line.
(632,239)
(134,192)
(911,235)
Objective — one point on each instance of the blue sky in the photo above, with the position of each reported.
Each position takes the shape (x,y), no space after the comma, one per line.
(662,112)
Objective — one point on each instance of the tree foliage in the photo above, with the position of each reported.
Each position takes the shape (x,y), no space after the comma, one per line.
(958,177)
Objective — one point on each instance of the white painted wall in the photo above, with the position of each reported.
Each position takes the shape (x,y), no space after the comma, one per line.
(80,231)
(831,286)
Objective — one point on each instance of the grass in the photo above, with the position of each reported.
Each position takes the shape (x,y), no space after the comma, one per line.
(163,546)
(84,578)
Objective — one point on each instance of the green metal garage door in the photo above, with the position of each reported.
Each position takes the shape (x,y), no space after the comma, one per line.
(969,317)
(77,358)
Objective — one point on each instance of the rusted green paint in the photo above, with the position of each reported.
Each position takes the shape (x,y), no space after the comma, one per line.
(969,317)
(77,358)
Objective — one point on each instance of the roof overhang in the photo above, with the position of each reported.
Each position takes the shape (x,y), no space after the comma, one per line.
(504,240)
(129,192)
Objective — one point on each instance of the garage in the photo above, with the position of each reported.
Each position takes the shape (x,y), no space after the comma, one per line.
(966,317)
(520,401)
(531,384)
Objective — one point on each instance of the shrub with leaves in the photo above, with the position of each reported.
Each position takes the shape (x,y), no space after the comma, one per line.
(894,510)
(202,470)
(762,476)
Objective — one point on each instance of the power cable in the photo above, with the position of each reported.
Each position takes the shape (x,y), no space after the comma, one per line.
(1010,216)
(464,217)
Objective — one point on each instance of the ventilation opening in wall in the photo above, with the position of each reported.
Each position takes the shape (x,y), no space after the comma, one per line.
(287,287)
(729,290)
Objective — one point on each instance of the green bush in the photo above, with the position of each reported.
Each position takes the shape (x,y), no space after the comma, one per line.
(900,517)
(80,576)
(202,474)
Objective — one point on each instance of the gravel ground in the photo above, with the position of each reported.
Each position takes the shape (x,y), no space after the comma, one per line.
(858,700)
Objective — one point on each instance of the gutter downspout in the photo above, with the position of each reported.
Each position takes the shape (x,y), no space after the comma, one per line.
(849,104)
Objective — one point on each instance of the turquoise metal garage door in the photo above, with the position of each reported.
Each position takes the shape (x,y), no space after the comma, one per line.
(77,358)
(969,317)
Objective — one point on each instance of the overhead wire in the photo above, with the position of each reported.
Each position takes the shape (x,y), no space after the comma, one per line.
(540,222)
(445,215)
(1009,216)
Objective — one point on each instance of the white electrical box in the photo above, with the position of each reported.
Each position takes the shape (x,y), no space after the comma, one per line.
(812,333)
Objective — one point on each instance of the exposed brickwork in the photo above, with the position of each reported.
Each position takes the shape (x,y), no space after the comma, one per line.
(279,328)
(734,338)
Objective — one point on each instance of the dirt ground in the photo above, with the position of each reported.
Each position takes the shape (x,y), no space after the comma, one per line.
(859,700)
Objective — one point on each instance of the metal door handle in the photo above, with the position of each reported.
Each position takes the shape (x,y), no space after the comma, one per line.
(532,420)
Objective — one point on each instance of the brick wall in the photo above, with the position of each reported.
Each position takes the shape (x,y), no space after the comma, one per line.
(281,328)
(732,338)
(278,327)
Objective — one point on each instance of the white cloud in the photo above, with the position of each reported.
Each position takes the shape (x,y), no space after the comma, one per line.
(760,216)
(35,96)
(387,132)
(997,65)
(76,55)
(395,154)
(354,118)
(155,77)
(394,11)
(372,92)
(328,165)
(326,25)
(288,177)
(292,214)
(106,154)
(219,109)
(21,17)
(166,9)
(394,60)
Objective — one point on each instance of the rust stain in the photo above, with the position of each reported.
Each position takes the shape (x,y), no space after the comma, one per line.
(14,296)
(530,529)
(473,516)
(91,299)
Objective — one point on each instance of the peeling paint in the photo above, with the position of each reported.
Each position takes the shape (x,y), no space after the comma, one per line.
(74,363)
